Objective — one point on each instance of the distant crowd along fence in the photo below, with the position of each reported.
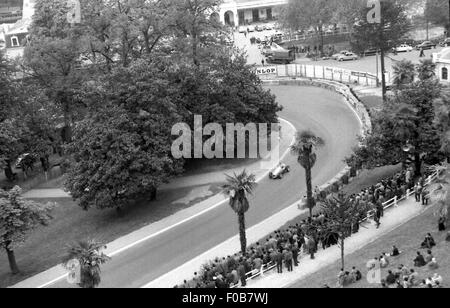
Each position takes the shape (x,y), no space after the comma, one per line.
(394,202)
(318,72)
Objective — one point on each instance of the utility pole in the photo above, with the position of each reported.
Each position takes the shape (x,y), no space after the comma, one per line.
(374,16)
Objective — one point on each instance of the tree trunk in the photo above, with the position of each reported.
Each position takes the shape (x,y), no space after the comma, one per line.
(67,130)
(418,164)
(153,194)
(242,235)
(9,172)
(343,252)
(194,49)
(383,75)
(119,211)
(12,260)
(309,191)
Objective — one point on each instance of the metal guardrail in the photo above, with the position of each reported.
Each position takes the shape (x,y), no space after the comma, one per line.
(386,205)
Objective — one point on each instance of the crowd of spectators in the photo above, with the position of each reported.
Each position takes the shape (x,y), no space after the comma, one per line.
(283,249)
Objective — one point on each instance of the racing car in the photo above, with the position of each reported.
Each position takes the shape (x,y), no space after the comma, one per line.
(279,172)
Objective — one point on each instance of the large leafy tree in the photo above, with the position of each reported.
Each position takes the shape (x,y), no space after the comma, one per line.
(119,158)
(406,123)
(89,256)
(343,215)
(305,144)
(303,14)
(53,57)
(348,11)
(18,217)
(194,28)
(436,12)
(237,188)
(385,35)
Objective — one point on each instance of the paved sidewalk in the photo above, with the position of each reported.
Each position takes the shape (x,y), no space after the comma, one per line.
(46,193)
(126,242)
(394,218)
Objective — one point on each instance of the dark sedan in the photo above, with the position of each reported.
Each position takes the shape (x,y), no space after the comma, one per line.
(426,45)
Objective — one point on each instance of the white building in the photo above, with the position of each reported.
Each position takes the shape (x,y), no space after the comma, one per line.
(240,12)
(16,35)
(442,61)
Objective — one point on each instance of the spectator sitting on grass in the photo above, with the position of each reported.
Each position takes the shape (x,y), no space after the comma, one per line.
(395,251)
(384,261)
(428,242)
(429,256)
(391,279)
(433,264)
(419,261)
(437,278)
(406,283)
(413,278)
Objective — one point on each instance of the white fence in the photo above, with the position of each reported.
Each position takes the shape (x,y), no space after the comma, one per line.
(318,72)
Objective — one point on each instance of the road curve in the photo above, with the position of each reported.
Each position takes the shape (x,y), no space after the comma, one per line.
(322,111)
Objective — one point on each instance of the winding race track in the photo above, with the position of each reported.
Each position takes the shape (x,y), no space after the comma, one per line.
(319,110)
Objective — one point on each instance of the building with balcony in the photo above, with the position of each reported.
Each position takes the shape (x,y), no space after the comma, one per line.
(242,12)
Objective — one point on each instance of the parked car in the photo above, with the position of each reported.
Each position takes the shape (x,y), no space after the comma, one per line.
(403,48)
(426,45)
(251,28)
(268,27)
(242,29)
(445,42)
(335,56)
(349,56)
(259,28)
(371,52)
(279,172)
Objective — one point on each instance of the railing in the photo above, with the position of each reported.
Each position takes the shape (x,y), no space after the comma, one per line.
(318,72)
(299,37)
(386,205)
(394,201)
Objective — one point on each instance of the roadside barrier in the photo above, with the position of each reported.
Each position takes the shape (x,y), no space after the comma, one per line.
(270,72)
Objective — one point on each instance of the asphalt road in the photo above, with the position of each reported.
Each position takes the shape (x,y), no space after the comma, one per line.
(306,108)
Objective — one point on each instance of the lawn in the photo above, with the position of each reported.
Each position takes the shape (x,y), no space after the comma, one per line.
(372,102)
(45,247)
(407,238)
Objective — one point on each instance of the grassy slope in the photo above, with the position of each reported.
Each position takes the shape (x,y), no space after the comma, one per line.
(408,238)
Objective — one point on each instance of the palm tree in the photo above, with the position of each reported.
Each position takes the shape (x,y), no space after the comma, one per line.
(404,72)
(306,143)
(88,254)
(237,188)
(426,70)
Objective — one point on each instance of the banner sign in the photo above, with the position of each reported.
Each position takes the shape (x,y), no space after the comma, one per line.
(266,70)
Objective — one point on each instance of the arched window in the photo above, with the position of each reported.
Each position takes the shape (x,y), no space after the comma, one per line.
(444,73)
(14,41)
